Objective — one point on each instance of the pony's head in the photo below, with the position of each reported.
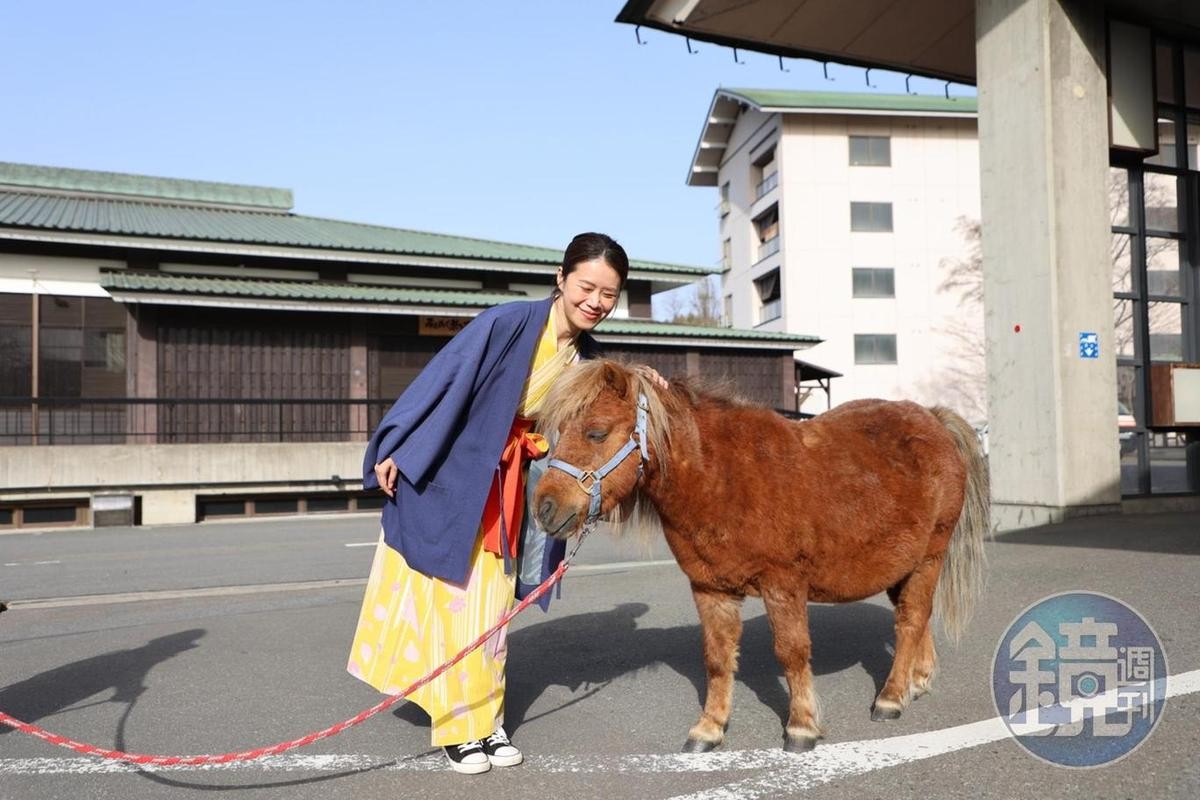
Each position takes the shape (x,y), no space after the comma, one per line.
(591,414)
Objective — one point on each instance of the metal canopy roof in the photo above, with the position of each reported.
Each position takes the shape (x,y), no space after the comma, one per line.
(933,38)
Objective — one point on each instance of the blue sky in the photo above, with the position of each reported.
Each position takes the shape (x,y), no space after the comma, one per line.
(522,121)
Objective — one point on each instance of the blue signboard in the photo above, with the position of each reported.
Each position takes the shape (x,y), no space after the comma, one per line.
(1089,345)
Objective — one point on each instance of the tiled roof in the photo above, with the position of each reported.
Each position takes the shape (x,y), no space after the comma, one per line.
(114,204)
(318,291)
(633,327)
(143,186)
(123,282)
(854,101)
(161,220)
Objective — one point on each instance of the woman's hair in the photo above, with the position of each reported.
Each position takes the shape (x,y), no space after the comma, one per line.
(587,246)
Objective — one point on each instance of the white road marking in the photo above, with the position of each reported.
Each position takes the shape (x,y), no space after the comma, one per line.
(361,544)
(262,588)
(841,760)
(180,594)
(30,563)
(787,774)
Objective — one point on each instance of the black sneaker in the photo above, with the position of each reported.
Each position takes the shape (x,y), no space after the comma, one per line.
(468,757)
(500,750)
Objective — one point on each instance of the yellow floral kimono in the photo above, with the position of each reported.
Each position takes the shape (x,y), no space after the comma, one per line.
(411,623)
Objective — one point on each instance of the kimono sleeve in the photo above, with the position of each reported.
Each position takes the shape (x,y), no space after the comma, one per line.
(415,430)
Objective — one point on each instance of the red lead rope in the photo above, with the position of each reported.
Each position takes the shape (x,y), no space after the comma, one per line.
(283,747)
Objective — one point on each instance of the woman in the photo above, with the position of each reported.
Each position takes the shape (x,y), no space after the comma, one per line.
(450,455)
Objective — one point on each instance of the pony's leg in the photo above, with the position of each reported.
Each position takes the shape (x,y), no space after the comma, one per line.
(787,611)
(914,604)
(721,623)
(925,666)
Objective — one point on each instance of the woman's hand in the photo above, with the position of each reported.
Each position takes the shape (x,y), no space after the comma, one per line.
(652,374)
(386,471)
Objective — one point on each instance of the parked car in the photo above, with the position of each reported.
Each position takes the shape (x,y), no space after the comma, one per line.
(1126,425)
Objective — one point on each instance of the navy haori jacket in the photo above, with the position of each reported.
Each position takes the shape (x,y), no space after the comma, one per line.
(447,431)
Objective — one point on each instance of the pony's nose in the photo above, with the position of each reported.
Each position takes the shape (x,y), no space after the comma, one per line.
(546,512)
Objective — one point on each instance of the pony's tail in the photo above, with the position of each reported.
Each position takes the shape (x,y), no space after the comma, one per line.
(962,575)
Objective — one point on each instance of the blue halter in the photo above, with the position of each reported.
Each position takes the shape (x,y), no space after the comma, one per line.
(637,440)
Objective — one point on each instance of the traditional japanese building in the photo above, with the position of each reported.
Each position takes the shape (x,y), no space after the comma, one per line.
(176,350)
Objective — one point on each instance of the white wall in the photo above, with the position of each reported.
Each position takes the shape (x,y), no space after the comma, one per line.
(72,277)
(932,182)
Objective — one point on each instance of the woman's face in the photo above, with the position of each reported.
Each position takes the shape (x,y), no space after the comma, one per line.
(589,293)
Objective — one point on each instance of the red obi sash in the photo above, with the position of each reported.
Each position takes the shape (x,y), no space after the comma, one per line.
(505,508)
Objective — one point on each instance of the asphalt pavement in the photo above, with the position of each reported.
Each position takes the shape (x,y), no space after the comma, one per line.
(218,637)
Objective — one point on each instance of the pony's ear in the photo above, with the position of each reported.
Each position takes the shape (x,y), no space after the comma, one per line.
(616,377)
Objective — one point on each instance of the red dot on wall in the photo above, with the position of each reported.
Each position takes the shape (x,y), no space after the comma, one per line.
(1016,328)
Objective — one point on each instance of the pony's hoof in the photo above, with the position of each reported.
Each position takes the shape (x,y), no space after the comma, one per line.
(698,746)
(799,744)
(882,713)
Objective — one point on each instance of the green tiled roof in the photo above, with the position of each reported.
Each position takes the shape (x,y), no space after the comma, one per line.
(631,327)
(854,101)
(144,186)
(121,282)
(328,292)
(161,220)
(115,204)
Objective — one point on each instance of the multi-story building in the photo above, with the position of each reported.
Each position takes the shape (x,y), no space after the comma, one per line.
(847,216)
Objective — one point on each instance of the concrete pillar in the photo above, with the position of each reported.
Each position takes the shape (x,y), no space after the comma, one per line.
(1043,147)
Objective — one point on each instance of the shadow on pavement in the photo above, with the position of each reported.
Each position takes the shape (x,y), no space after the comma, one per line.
(122,671)
(1153,533)
(588,651)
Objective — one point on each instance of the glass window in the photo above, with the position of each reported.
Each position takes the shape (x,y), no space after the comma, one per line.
(317,505)
(1161,201)
(370,502)
(16,344)
(874,348)
(871,217)
(48,515)
(1193,141)
(770,296)
(276,506)
(766,226)
(1165,157)
(1166,331)
(870,151)
(1118,196)
(81,347)
(1121,250)
(1162,266)
(874,282)
(1191,78)
(1123,328)
(726,255)
(724,206)
(222,508)
(1164,72)
(1169,464)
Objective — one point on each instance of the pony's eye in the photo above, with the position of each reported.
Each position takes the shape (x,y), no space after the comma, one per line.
(597,435)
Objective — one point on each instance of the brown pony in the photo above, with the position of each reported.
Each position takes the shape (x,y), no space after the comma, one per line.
(872,496)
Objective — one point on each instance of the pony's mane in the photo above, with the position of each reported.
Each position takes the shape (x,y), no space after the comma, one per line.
(580,386)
